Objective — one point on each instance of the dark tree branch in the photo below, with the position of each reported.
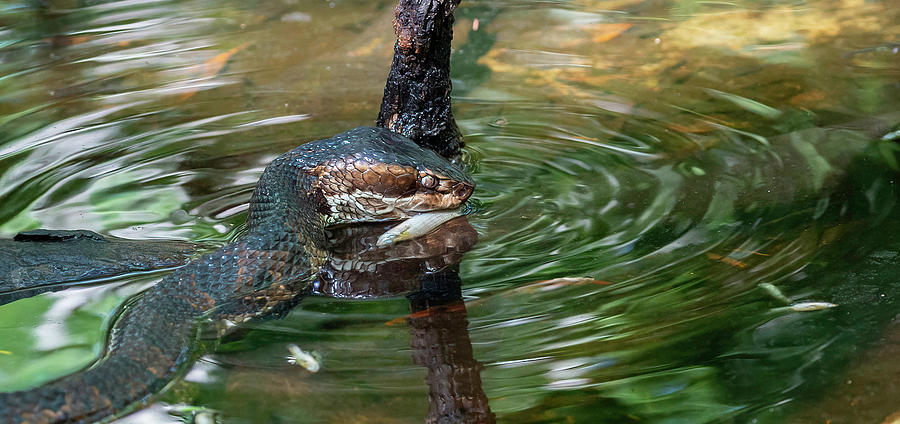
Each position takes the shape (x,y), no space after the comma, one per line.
(416,99)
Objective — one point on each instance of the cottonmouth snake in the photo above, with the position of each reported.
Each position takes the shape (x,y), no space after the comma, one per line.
(365,174)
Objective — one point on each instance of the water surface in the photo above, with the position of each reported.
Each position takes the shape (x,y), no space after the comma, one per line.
(660,181)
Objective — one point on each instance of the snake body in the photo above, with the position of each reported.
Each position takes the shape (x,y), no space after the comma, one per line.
(365,174)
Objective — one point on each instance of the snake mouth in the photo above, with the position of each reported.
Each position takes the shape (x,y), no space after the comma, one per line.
(423,202)
(371,207)
(381,203)
(396,185)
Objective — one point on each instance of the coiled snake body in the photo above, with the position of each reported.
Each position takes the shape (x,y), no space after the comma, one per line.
(365,174)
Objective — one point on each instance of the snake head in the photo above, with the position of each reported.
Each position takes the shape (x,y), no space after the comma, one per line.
(381,176)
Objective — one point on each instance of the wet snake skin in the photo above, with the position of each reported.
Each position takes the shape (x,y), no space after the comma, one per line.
(363,175)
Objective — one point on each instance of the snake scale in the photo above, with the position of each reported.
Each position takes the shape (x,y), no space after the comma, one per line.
(363,175)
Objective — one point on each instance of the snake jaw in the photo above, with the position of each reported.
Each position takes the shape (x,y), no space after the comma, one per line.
(382,176)
(398,192)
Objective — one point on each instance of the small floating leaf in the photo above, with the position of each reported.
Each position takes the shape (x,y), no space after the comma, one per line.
(747,104)
(606,32)
(773,291)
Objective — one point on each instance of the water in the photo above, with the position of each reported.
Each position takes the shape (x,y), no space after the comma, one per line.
(646,170)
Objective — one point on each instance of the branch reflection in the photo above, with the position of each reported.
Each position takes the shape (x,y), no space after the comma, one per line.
(426,271)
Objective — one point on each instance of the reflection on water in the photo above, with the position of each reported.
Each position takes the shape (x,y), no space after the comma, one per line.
(643,167)
(425,272)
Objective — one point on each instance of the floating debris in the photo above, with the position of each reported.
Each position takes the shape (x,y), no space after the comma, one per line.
(195,414)
(310,361)
(811,306)
(726,260)
(205,417)
(443,309)
(566,281)
(773,291)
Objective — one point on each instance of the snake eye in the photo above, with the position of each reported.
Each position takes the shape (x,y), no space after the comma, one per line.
(428,182)
(462,192)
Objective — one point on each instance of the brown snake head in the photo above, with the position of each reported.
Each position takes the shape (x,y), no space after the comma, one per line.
(380,176)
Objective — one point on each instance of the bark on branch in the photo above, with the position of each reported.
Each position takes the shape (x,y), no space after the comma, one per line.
(416,100)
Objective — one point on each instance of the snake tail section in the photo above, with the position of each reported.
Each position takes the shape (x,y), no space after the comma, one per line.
(151,341)
(130,372)
(41,261)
